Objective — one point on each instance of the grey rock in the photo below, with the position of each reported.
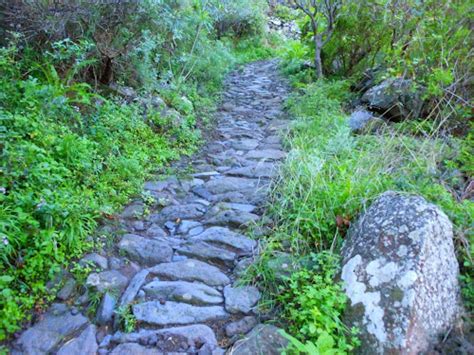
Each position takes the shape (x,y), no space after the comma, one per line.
(67,290)
(107,281)
(191,270)
(259,170)
(105,342)
(135,349)
(267,154)
(228,106)
(238,243)
(157,186)
(175,212)
(242,326)
(84,344)
(232,218)
(154,312)
(133,287)
(189,339)
(139,226)
(186,185)
(57,324)
(400,274)
(171,227)
(195,231)
(395,98)
(245,144)
(105,312)
(185,226)
(263,339)
(96,260)
(205,174)
(363,121)
(244,207)
(240,299)
(156,231)
(205,251)
(182,291)
(229,184)
(145,251)
(134,210)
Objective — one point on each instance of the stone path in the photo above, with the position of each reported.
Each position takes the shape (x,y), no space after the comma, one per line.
(178,262)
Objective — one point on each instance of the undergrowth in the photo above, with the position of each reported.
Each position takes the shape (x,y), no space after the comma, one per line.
(328,179)
(72,156)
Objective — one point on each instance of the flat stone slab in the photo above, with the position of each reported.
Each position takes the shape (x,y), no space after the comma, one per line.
(245,144)
(240,244)
(240,299)
(104,281)
(169,313)
(232,218)
(85,343)
(183,291)
(242,326)
(229,184)
(135,284)
(259,170)
(175,212)
(135,349)
(145,251)
(105,312)
(204,251)
(267,154)
(191,270)
(57,324)
(263,339)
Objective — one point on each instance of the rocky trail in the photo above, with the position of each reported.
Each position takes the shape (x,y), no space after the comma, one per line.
(176,268)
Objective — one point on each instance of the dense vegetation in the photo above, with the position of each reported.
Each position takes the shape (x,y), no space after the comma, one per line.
(94,98)
(92,102)
(331,175)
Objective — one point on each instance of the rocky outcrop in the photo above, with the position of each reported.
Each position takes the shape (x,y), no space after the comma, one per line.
(288,29)
(395,99)
(400,274)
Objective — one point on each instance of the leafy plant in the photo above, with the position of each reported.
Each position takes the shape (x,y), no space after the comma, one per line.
(126,318)
(313,304)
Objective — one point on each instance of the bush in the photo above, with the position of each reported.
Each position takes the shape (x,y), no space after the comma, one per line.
(64,165)
(329,177)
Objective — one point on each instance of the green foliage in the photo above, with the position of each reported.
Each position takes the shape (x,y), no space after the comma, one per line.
(313,305)
(126,319)
(286,13)
(72,155)
(68,157)
(331,174)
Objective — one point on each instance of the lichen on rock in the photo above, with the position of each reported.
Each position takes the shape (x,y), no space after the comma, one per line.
(400,274)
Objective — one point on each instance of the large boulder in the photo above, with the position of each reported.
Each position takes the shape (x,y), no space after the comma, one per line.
(396,99)
(400,274)
(363,121)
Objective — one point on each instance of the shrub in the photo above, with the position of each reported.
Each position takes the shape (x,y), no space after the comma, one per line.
(329,177)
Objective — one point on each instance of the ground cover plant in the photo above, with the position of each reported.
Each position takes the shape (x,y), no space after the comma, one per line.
(92,103)
(332,175)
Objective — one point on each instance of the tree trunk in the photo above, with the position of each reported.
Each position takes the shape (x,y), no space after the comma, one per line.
(318,43)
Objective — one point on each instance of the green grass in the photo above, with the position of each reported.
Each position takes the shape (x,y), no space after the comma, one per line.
(331,174)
